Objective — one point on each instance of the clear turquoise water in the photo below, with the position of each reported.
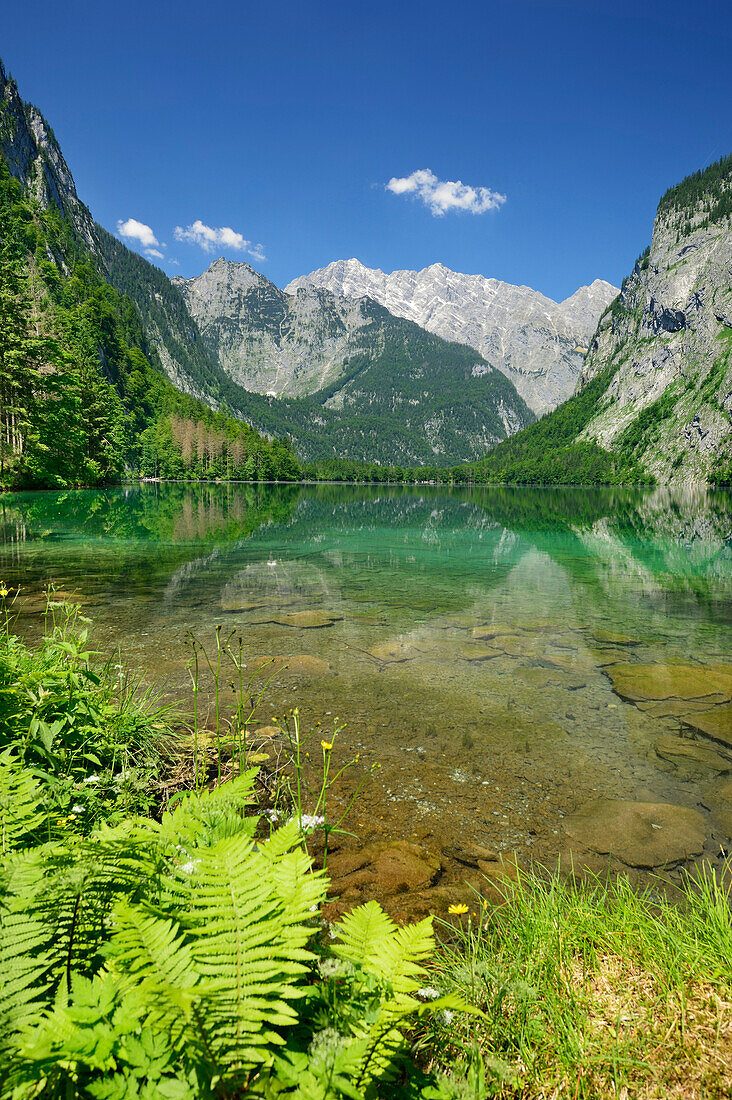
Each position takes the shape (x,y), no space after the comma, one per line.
(497,746)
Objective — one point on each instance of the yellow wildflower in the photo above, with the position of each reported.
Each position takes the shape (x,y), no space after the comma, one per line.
(457,910)
(327,745)
(3,591)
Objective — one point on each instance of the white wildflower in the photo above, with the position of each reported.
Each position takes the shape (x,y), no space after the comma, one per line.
(446,1016)
(429,993)
(189,867)
(92,779)
(77,809)
(310,822)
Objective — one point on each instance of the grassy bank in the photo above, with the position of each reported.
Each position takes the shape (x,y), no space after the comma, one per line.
(161,936)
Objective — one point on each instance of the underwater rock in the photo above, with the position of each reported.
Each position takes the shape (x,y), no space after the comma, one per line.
(486,633)
(389,867)
(297,665)
(609,637)
(265,733)
(473,652)
(470,854)
(307,620)
(640,834)
(657,681)
(394,652)
(719,796)
(688,751)
(715,723)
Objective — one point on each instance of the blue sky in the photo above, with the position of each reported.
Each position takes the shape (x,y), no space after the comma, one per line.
(285,122)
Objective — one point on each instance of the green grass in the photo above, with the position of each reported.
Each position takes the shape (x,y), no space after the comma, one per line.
(591,990)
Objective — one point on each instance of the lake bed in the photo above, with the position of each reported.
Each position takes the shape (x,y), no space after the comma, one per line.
(536,671)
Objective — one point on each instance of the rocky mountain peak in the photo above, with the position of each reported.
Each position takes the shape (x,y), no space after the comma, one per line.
(34,157)
(536,342)
(223,283)
(665,344)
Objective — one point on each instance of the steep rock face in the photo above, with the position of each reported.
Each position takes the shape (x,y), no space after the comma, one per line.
(666,341)
(33,156)
(537,343)
(35,159)
(268,341)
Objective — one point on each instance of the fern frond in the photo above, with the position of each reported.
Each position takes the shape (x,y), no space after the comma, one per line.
(249,947)
(397,960)
(362,931)
(21,804)
(374,945)
(25,962)
(204,818)
(151,948)
(300,889)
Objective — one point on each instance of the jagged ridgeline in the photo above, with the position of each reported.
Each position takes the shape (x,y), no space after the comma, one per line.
(655,397)
(83,390)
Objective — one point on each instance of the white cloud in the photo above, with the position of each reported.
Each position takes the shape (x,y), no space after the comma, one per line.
(137,231)
(154,254)
(441,196)
(209,238)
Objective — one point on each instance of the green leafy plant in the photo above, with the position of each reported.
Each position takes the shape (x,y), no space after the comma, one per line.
(181,959)
(91,735)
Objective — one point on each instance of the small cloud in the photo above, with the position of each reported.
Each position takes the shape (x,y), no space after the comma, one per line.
(137,231)
(209,238)
(154,254)
(442,196)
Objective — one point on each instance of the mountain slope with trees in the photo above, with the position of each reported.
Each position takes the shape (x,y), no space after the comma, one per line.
(83,394)
(344,377)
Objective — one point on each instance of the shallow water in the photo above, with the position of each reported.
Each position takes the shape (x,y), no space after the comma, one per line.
(473,641)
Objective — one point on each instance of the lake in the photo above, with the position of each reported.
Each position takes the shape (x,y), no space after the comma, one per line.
(509,656)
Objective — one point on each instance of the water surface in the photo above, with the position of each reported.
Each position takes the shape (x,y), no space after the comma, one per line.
(475,637)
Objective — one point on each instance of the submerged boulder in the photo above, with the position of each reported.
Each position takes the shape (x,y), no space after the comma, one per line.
(685,750)
(307,620)
(657,681)
(390,867)
(301,664)
(639,834)
(715,723)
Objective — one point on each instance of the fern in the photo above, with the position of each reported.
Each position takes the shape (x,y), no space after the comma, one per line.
(175,960)
(249,945)
(21,805)
(392,958)
(205,818)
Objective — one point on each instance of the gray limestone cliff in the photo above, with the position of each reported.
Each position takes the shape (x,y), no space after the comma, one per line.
(665,342)
(537,343)
(268,341)
(347,369)
(34,157)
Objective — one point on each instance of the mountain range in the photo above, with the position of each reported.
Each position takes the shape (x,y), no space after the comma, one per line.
(377,387)
(537,343)
(109,364)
